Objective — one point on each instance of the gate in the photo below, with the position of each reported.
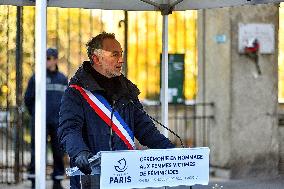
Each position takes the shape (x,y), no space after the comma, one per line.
(11,128)
(17,57)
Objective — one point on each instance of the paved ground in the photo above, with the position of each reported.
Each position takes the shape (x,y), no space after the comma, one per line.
(27,185)
(215,183)
(255,183)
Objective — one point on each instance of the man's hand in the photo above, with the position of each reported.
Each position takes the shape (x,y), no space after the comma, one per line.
(81,161)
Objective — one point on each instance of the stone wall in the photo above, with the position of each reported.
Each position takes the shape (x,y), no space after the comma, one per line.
(244,139)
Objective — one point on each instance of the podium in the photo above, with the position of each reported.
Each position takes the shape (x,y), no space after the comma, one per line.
(128,169)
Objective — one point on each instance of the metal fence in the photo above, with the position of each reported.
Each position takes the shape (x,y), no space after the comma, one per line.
(14,149)
(15,140)
(192,128)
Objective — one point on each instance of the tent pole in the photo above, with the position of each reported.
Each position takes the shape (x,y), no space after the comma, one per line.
(164,90)
(40,91)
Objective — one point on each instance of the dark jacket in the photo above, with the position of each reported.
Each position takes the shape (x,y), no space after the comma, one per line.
(56,83)
(80,128)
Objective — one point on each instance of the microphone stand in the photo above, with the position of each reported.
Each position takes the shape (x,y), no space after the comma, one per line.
(111,130)
(155,120)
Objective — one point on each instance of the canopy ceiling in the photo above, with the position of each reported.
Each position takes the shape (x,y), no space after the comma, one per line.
(140,5)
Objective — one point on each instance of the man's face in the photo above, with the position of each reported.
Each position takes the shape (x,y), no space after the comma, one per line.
(51,63)
(110,60)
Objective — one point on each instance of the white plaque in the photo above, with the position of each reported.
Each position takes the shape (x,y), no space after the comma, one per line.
(264,33)
(154,168)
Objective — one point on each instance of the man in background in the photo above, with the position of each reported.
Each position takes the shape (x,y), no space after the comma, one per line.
(56,83)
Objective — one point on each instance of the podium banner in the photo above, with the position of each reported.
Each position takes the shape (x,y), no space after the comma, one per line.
(154,168)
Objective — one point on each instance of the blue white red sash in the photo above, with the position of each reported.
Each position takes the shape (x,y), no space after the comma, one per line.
(103,109)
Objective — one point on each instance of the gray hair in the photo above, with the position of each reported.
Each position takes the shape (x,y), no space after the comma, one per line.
(96,43)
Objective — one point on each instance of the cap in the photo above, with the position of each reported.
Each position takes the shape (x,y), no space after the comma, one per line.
(52,52)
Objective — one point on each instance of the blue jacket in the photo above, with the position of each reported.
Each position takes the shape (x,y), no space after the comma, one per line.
(80,128)
(56,83)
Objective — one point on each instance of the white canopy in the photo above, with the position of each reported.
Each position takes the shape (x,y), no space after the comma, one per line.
(165,6)
(140,5)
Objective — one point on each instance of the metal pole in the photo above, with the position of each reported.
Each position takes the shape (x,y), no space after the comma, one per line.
(136,49)
(91,23)
(19,76)
(80,35)
(203,74)
(164,90)
(40,101)
(5,136)
(69,42)
(125,41)
(57,28)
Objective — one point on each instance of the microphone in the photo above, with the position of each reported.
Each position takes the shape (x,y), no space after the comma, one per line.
(115,98)
(110,142)
(155,120)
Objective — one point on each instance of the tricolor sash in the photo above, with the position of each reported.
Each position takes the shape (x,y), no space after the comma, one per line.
(103,109)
